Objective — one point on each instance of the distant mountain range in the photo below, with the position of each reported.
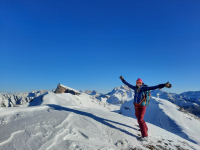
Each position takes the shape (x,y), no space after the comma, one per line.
(190,100)
(16,99)
(94,93)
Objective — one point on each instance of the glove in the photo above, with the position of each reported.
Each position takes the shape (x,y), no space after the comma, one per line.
(121,77)
(168,85)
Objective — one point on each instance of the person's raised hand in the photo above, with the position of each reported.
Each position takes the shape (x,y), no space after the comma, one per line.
(168,85)
(121,77)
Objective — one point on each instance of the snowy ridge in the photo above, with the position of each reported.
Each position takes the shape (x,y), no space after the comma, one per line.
(67,99)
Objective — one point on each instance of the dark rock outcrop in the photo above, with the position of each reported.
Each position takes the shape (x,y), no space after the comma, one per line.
(64,89)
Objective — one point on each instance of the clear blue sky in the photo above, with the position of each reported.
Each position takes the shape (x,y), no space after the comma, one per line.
(88,44)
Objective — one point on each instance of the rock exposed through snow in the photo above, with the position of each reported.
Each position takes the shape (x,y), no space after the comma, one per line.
(64,89)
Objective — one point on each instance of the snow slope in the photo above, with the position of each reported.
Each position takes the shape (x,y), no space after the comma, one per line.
(166,115)
(67,99)
(65,121)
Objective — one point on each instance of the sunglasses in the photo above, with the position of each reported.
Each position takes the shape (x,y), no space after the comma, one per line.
(138,82)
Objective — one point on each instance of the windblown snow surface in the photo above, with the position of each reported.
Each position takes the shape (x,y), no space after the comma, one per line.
(65,121)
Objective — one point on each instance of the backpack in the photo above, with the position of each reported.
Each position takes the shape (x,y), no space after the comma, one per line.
(147,97)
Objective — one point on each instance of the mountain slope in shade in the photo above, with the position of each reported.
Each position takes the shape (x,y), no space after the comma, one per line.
(192,96)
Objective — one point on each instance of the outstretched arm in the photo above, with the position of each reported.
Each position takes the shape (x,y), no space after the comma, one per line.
(157,86)
(154,87)
(129,85)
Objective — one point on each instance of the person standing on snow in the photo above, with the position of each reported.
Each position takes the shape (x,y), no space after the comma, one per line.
(140,109)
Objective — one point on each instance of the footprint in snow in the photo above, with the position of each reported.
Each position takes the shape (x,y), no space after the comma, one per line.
(123,143)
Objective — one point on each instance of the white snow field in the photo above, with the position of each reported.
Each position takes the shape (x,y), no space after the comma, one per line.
(167,115)
(70,122)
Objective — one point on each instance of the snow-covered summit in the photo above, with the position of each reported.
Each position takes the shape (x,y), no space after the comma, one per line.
(116,90)
(119,95)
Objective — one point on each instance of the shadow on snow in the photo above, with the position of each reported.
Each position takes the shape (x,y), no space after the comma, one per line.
(99,119)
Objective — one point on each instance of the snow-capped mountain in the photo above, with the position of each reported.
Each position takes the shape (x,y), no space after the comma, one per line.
(187,100)
(191,96)
(16,99)
(66,121)
(118,95)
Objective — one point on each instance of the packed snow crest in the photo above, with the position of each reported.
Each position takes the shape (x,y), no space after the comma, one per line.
(46,120)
